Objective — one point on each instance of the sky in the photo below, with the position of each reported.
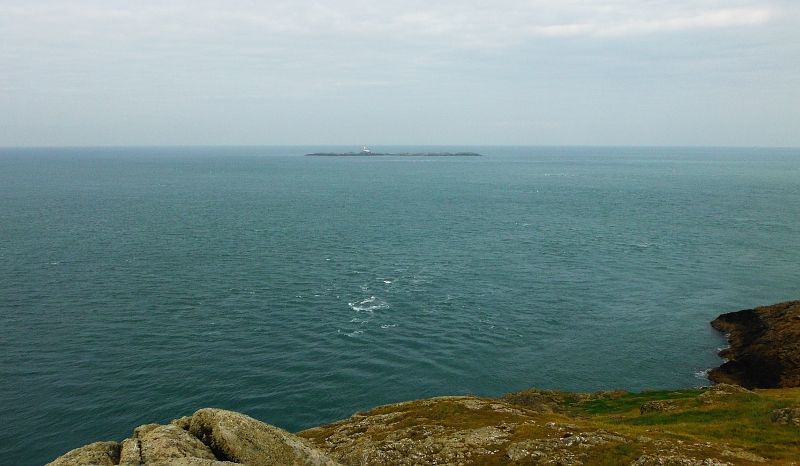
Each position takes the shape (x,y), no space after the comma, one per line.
(501,72)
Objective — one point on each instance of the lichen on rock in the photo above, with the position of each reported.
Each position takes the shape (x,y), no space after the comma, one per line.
(210,437)
(98,453)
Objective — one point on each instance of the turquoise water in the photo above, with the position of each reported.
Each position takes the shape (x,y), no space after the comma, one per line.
(138,285)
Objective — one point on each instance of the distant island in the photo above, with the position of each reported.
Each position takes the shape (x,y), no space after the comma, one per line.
(368,153)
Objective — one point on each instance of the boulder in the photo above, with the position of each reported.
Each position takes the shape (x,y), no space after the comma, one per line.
(162,445)
(657,407)
(242,439)
(789,415)
(211,437)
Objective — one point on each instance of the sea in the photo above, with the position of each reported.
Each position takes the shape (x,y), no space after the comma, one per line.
(140,284)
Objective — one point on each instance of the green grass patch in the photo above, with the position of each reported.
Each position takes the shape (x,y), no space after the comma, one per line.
(615,455)
(633,401)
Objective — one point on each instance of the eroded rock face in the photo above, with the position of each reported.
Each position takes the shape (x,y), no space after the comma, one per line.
(764,347)
(211,437)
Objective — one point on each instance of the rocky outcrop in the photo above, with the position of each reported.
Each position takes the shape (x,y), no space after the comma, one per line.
(157,444)
(722,425)
(245,440)
(210,437)
(95,454)
(545,428)
(764,349)
(789,415)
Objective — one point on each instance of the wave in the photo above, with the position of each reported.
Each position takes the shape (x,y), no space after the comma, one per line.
(370,305)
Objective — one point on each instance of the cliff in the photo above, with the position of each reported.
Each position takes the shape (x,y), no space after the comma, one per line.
(764,347)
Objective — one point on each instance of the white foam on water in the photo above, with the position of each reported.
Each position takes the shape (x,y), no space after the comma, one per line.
(702,375)
(388,326)
(370,305)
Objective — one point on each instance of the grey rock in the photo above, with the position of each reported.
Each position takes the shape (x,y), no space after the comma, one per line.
(143,430)
(657,407)
(184,422)
(211,437)
(789,415)
(676,460)
(131,454)
(194,462)
(170,442)
(242,439)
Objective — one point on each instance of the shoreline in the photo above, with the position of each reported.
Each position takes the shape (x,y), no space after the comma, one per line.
(721,425)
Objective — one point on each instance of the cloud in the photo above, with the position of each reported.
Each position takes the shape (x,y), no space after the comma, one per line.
(707,20)
(164,63)
(462,24)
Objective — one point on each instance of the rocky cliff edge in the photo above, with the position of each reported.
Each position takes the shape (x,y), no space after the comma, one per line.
(764,349)
(719,426)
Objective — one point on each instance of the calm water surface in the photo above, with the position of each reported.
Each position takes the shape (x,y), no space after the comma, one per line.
(139,285)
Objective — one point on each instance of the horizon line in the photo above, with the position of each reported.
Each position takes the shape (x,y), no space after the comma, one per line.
(199,146)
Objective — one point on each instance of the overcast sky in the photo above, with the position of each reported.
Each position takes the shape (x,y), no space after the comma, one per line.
(569,72)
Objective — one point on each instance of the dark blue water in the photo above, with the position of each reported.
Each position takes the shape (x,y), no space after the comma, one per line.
(138,285)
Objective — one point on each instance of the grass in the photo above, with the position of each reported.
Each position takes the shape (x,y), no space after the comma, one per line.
(742,419)
(633,401)
(737,421)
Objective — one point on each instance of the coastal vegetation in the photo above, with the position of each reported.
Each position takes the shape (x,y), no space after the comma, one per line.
(723,424)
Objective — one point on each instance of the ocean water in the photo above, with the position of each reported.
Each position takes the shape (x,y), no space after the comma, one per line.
(138,285)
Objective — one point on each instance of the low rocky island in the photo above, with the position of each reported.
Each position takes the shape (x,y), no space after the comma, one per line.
(367,153)
(726,424)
